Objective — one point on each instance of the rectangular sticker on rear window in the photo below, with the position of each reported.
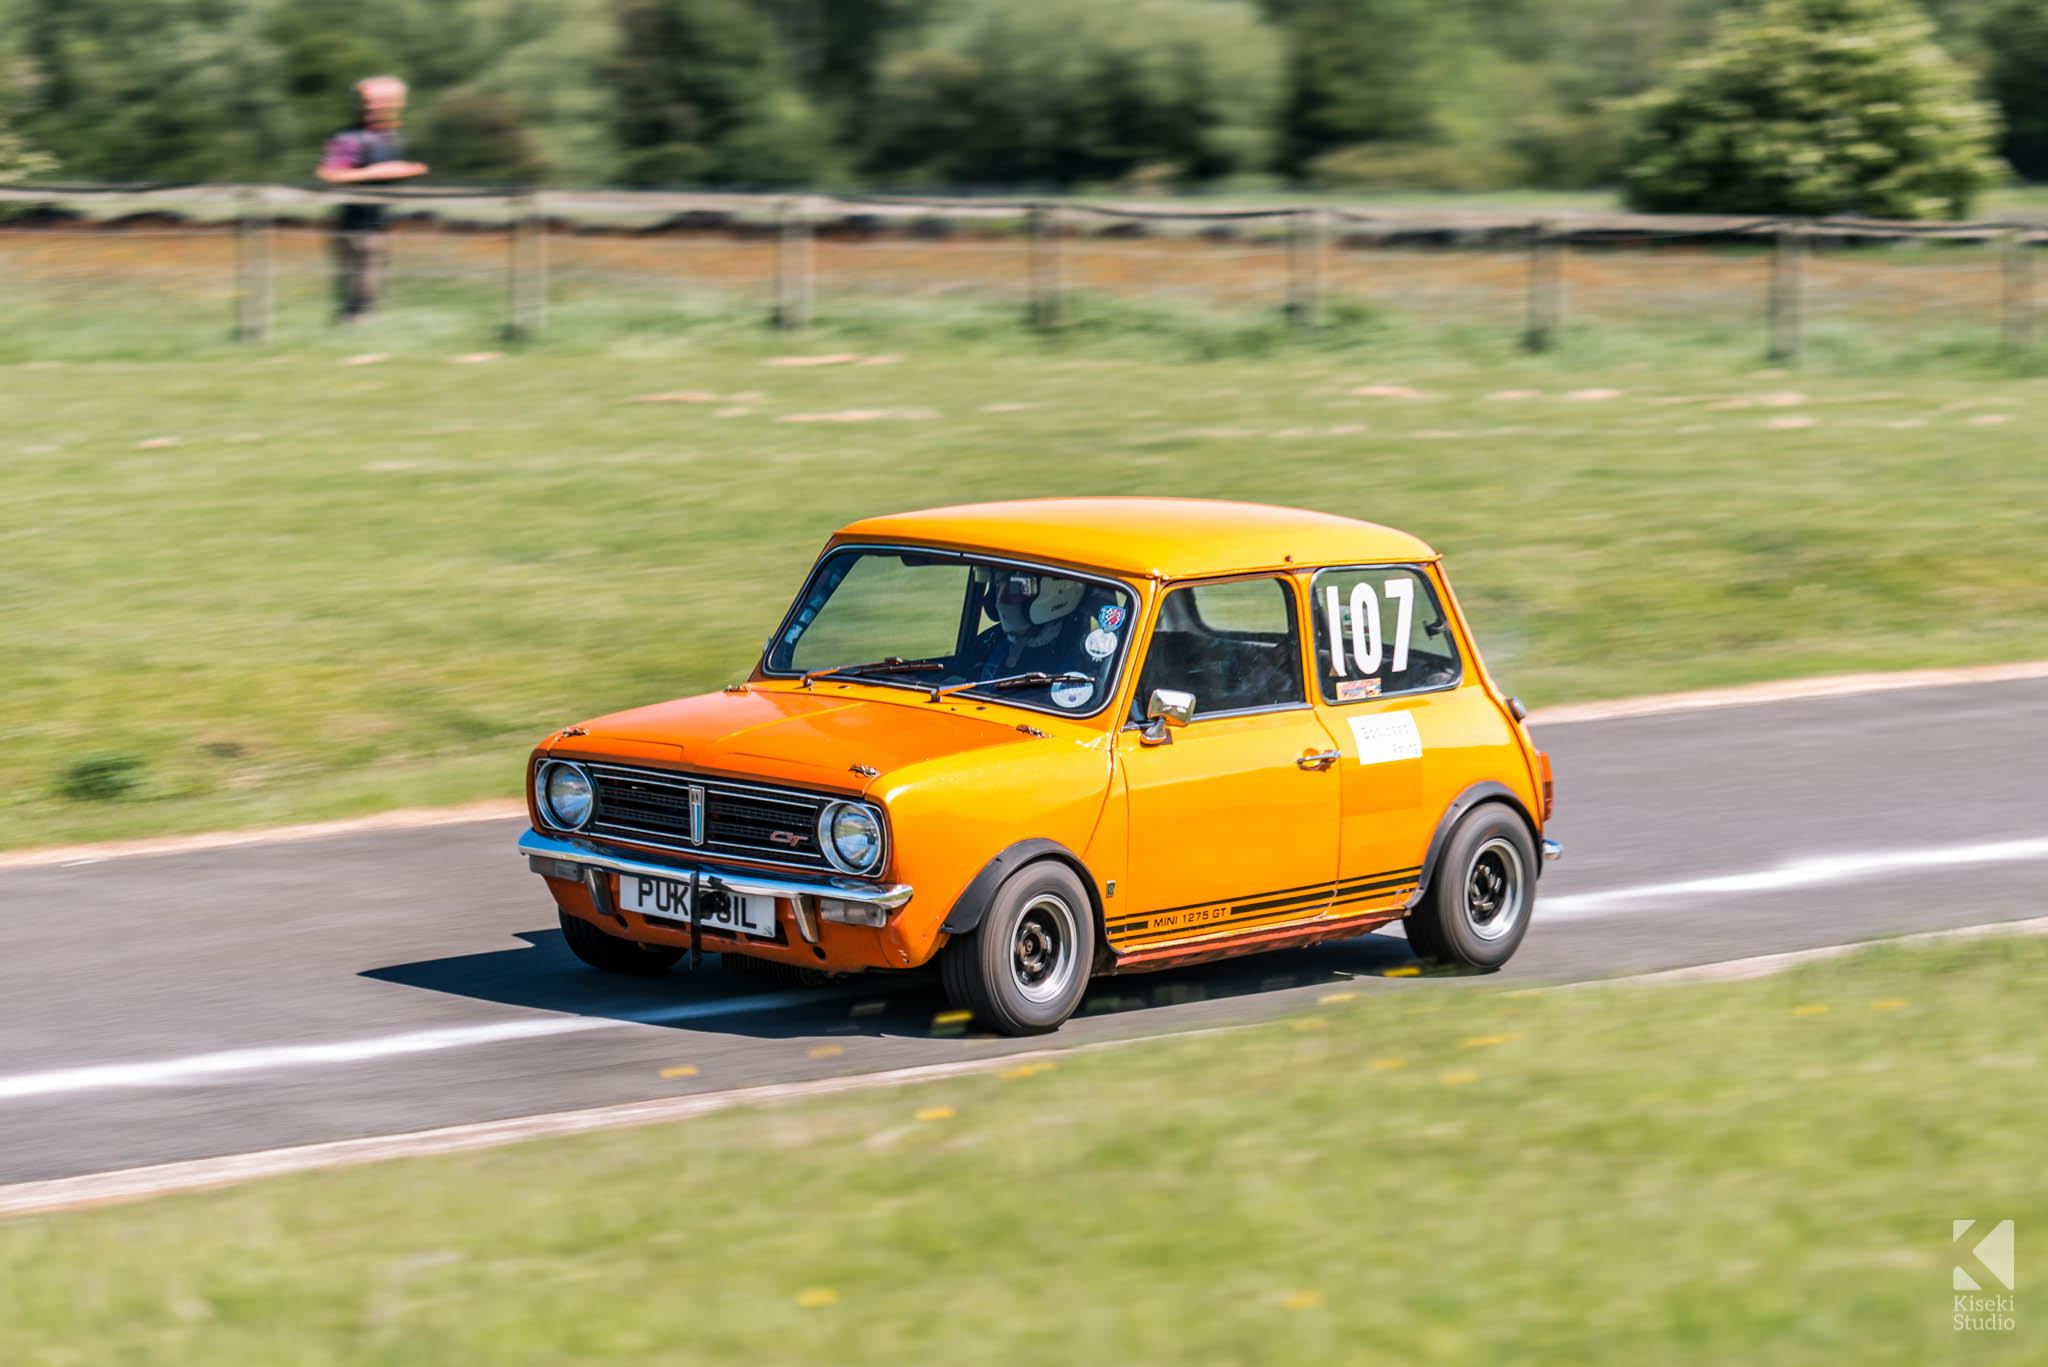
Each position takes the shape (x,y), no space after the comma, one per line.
(1386,737)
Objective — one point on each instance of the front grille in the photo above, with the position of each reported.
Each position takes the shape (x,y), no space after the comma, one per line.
(652,807)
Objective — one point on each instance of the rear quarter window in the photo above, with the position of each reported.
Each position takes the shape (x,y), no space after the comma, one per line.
(1380,632)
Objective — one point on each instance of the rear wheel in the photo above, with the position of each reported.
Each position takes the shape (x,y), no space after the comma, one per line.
(613,953)
(1024,969)
(1478,904)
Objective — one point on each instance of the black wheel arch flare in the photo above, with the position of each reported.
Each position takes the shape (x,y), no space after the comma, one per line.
(974,899)
(1462,804)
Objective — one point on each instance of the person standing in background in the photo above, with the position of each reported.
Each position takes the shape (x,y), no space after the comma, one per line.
(371,153)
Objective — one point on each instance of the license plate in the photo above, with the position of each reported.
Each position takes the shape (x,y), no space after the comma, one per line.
(664,899)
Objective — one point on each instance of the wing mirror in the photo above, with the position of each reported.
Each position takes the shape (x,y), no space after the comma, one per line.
(1166,707)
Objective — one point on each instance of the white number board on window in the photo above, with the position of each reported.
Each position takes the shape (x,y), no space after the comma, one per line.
(1366,626)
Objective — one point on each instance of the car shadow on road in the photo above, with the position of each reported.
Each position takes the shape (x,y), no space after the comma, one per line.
(541,974)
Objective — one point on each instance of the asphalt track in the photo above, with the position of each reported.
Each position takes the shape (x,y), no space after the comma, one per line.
(185,1005)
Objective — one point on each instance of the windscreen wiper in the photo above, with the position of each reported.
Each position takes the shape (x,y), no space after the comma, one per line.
(893,664)
(1035,678)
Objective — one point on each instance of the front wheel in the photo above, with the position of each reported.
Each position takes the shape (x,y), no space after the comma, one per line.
(1024,969)
(613,953)
(1478,904)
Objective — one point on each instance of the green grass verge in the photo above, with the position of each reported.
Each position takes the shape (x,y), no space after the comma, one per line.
(1761,1172)
(241,587)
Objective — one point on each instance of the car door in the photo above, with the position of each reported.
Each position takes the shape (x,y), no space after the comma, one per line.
(1233,818)
(1386,659)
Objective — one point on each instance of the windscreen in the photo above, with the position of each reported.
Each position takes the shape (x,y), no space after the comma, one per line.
(1034,637)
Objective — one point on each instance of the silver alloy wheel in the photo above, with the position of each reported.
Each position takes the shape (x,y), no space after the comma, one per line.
(1495,889)
(1045,951)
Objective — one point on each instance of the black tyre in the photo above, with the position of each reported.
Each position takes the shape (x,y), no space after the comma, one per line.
(1420,926)
(612,953)
(1481,895)
(1024,969)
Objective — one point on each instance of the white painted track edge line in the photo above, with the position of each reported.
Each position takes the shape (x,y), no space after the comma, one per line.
(162,1179)
(193,1069)
(1565,714)
(1785,690)
(401,819)
(1810,871)
(55,1195)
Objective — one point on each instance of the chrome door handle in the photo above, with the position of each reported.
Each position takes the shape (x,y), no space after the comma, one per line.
(1316,762)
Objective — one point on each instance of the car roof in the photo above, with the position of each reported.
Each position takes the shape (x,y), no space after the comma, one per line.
(1161,538)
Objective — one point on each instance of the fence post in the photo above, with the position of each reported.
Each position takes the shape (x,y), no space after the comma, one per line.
(1047,285)
(2019,291)
(1306,262)
(254,273)
(795,265)
(515,302)
(526,268)
(538,282)
(1787,259)
(1546,287)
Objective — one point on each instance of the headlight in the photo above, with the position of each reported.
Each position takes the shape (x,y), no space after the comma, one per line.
(851,836)
(565,794)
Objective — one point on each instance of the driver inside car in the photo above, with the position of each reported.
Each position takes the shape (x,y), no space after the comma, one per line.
(1037,627)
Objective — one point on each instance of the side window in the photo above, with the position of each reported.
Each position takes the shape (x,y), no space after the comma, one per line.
(1380,630)
(1234,645)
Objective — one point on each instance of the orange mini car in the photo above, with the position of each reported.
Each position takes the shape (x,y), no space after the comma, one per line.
(1042,741)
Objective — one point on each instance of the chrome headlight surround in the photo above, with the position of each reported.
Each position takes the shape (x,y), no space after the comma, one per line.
(543,777)
(858,814)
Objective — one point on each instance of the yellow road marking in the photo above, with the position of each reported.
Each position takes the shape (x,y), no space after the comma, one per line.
(827,1051)
(680,1070)
(952,1018)
(1332,998)
(1404,971)
(936,1113)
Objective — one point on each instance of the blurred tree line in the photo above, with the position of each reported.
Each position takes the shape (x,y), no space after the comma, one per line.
(1422,94)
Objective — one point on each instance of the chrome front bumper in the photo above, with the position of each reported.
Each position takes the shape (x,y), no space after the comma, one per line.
(1552,849)
(577,860)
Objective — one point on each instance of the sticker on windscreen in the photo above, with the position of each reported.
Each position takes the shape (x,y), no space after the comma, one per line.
(1100,644)
(1072,695)
(1110,618)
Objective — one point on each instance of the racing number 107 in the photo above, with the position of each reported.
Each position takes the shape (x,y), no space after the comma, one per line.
(1365,624)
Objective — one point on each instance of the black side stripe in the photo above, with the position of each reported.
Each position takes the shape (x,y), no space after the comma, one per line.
(1373,894)
(1348,891)
(1312,892)
(1282,894)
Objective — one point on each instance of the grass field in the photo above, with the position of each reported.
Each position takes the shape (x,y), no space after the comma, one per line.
(348,573)
(1761,1173)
